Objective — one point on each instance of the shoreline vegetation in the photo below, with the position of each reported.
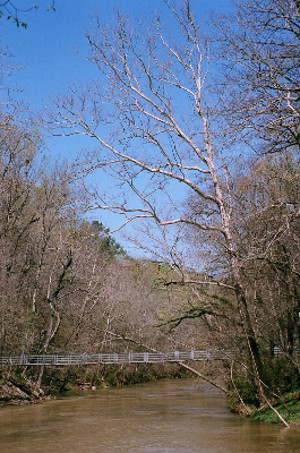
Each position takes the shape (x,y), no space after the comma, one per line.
(16,389)
(289,407)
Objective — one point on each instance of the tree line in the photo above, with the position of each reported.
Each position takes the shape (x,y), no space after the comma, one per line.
(66,284)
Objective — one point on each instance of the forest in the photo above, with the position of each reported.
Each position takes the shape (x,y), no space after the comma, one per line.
(199,131)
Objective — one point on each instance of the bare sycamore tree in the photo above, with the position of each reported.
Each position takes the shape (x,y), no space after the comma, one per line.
(151,118)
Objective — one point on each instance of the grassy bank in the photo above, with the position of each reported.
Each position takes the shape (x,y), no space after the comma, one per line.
(288,407)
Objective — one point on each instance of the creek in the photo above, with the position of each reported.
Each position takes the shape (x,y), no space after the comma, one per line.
(167,416)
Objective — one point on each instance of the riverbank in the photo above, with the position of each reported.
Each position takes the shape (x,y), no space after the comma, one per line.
(16,389)
(288,407)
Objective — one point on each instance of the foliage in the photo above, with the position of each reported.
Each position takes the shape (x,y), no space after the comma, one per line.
(12,12)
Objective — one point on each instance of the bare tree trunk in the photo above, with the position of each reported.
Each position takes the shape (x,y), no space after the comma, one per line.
(205,378)
(54,314)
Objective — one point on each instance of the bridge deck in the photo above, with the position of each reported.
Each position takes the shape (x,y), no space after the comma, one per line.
(112,358)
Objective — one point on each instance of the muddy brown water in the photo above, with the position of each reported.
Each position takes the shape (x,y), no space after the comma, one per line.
(168,416)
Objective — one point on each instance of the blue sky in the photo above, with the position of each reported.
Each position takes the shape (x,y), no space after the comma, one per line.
(48,50)
(48,46)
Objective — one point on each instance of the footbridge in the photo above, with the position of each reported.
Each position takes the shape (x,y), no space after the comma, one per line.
(112,358)
(119,358)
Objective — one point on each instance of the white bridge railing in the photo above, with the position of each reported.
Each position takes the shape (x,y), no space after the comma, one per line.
(118,358)
(112,358)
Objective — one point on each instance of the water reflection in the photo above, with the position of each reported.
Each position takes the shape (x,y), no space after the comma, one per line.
(170,416)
